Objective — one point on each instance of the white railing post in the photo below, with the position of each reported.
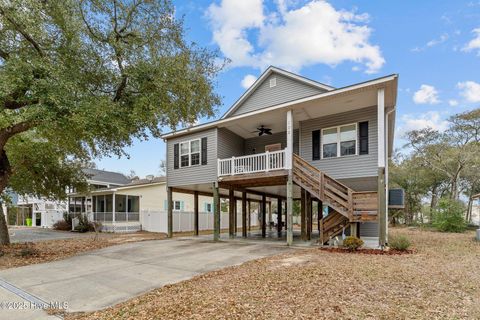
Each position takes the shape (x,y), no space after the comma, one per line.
(267,161)
(233,166)
(219,167)
(289,148)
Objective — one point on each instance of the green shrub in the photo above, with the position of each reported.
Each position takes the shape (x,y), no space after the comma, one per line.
(449,216)
(401,243)
(352,243)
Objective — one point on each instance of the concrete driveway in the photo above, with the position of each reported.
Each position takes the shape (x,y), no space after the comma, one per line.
(32,234)
(102,278)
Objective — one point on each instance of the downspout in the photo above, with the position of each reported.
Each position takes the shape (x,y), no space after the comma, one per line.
(387,115)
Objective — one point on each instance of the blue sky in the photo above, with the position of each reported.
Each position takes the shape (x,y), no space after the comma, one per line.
(433,45)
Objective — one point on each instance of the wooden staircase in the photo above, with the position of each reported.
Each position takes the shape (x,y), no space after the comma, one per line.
(332,225)
(348,205)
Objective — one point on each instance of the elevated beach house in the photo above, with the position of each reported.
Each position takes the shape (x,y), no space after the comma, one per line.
(289,138)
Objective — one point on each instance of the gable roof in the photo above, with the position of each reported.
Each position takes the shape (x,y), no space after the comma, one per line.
(263,77)
(334,92)
(106,176)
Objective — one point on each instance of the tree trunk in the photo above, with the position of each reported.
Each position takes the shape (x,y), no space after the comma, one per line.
(433,202)
(453,189)
(5,171)
(468,217)
(4,236)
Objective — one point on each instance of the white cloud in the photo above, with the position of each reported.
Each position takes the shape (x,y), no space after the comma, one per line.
(453,102)
(417,49)
(230,22)
(474,44)
(470,90)
(248,80)
(292,38)
(431,119)
(434,42)
(426,95)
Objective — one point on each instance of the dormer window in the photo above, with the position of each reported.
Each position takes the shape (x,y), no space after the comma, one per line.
(273,82)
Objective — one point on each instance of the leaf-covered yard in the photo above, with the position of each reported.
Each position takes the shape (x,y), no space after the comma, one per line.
(440,281)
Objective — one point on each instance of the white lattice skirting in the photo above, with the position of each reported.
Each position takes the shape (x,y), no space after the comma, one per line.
(122,227)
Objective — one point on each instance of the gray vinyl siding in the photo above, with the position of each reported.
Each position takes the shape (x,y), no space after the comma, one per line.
(361,184)
(196,174)
(287,89)
(229,144)
(343,167)
(259,143)
(368,229)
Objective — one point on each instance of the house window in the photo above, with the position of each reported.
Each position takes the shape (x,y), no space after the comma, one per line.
(339,141)
(177,205)
(190,153)
(208,207)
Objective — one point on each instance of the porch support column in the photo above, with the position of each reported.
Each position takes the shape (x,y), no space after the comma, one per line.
(264,216)
(270,215)
(320,226)
(308,215)
(303,218)
(382,207)
(170,212)
(235,214)
(249,215)
(279,215)
(319,214)
(216,212)
(289,162)
(231,211)
(195,212)
(353,229)
(113,209)
(244,214)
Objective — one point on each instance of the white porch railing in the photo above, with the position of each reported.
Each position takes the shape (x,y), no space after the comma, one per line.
(261,162)
(119,216)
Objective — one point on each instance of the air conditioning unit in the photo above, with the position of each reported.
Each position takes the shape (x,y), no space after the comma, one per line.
(396,199)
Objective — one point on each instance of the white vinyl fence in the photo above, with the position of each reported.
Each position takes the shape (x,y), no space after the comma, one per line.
(156,221)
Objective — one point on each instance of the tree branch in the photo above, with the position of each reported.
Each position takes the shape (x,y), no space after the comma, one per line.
(11,102)
(89,28)
(22,31)
(12,130)
(4,55)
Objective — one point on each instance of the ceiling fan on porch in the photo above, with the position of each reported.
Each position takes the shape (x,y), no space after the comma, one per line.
(262,130)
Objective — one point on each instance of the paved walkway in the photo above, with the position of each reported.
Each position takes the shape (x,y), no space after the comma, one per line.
(105,277)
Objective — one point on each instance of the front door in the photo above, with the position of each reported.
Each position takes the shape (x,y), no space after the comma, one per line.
(273,147)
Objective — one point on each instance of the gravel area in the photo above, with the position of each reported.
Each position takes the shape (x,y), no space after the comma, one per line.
(441,280)
(34,234)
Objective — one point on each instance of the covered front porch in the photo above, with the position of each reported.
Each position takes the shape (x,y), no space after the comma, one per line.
(115,212)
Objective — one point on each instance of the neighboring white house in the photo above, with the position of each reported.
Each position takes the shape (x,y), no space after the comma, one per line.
(142,205)
(42,212)
(39,212)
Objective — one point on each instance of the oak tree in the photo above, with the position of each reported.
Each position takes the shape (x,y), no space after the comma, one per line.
(82,78)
